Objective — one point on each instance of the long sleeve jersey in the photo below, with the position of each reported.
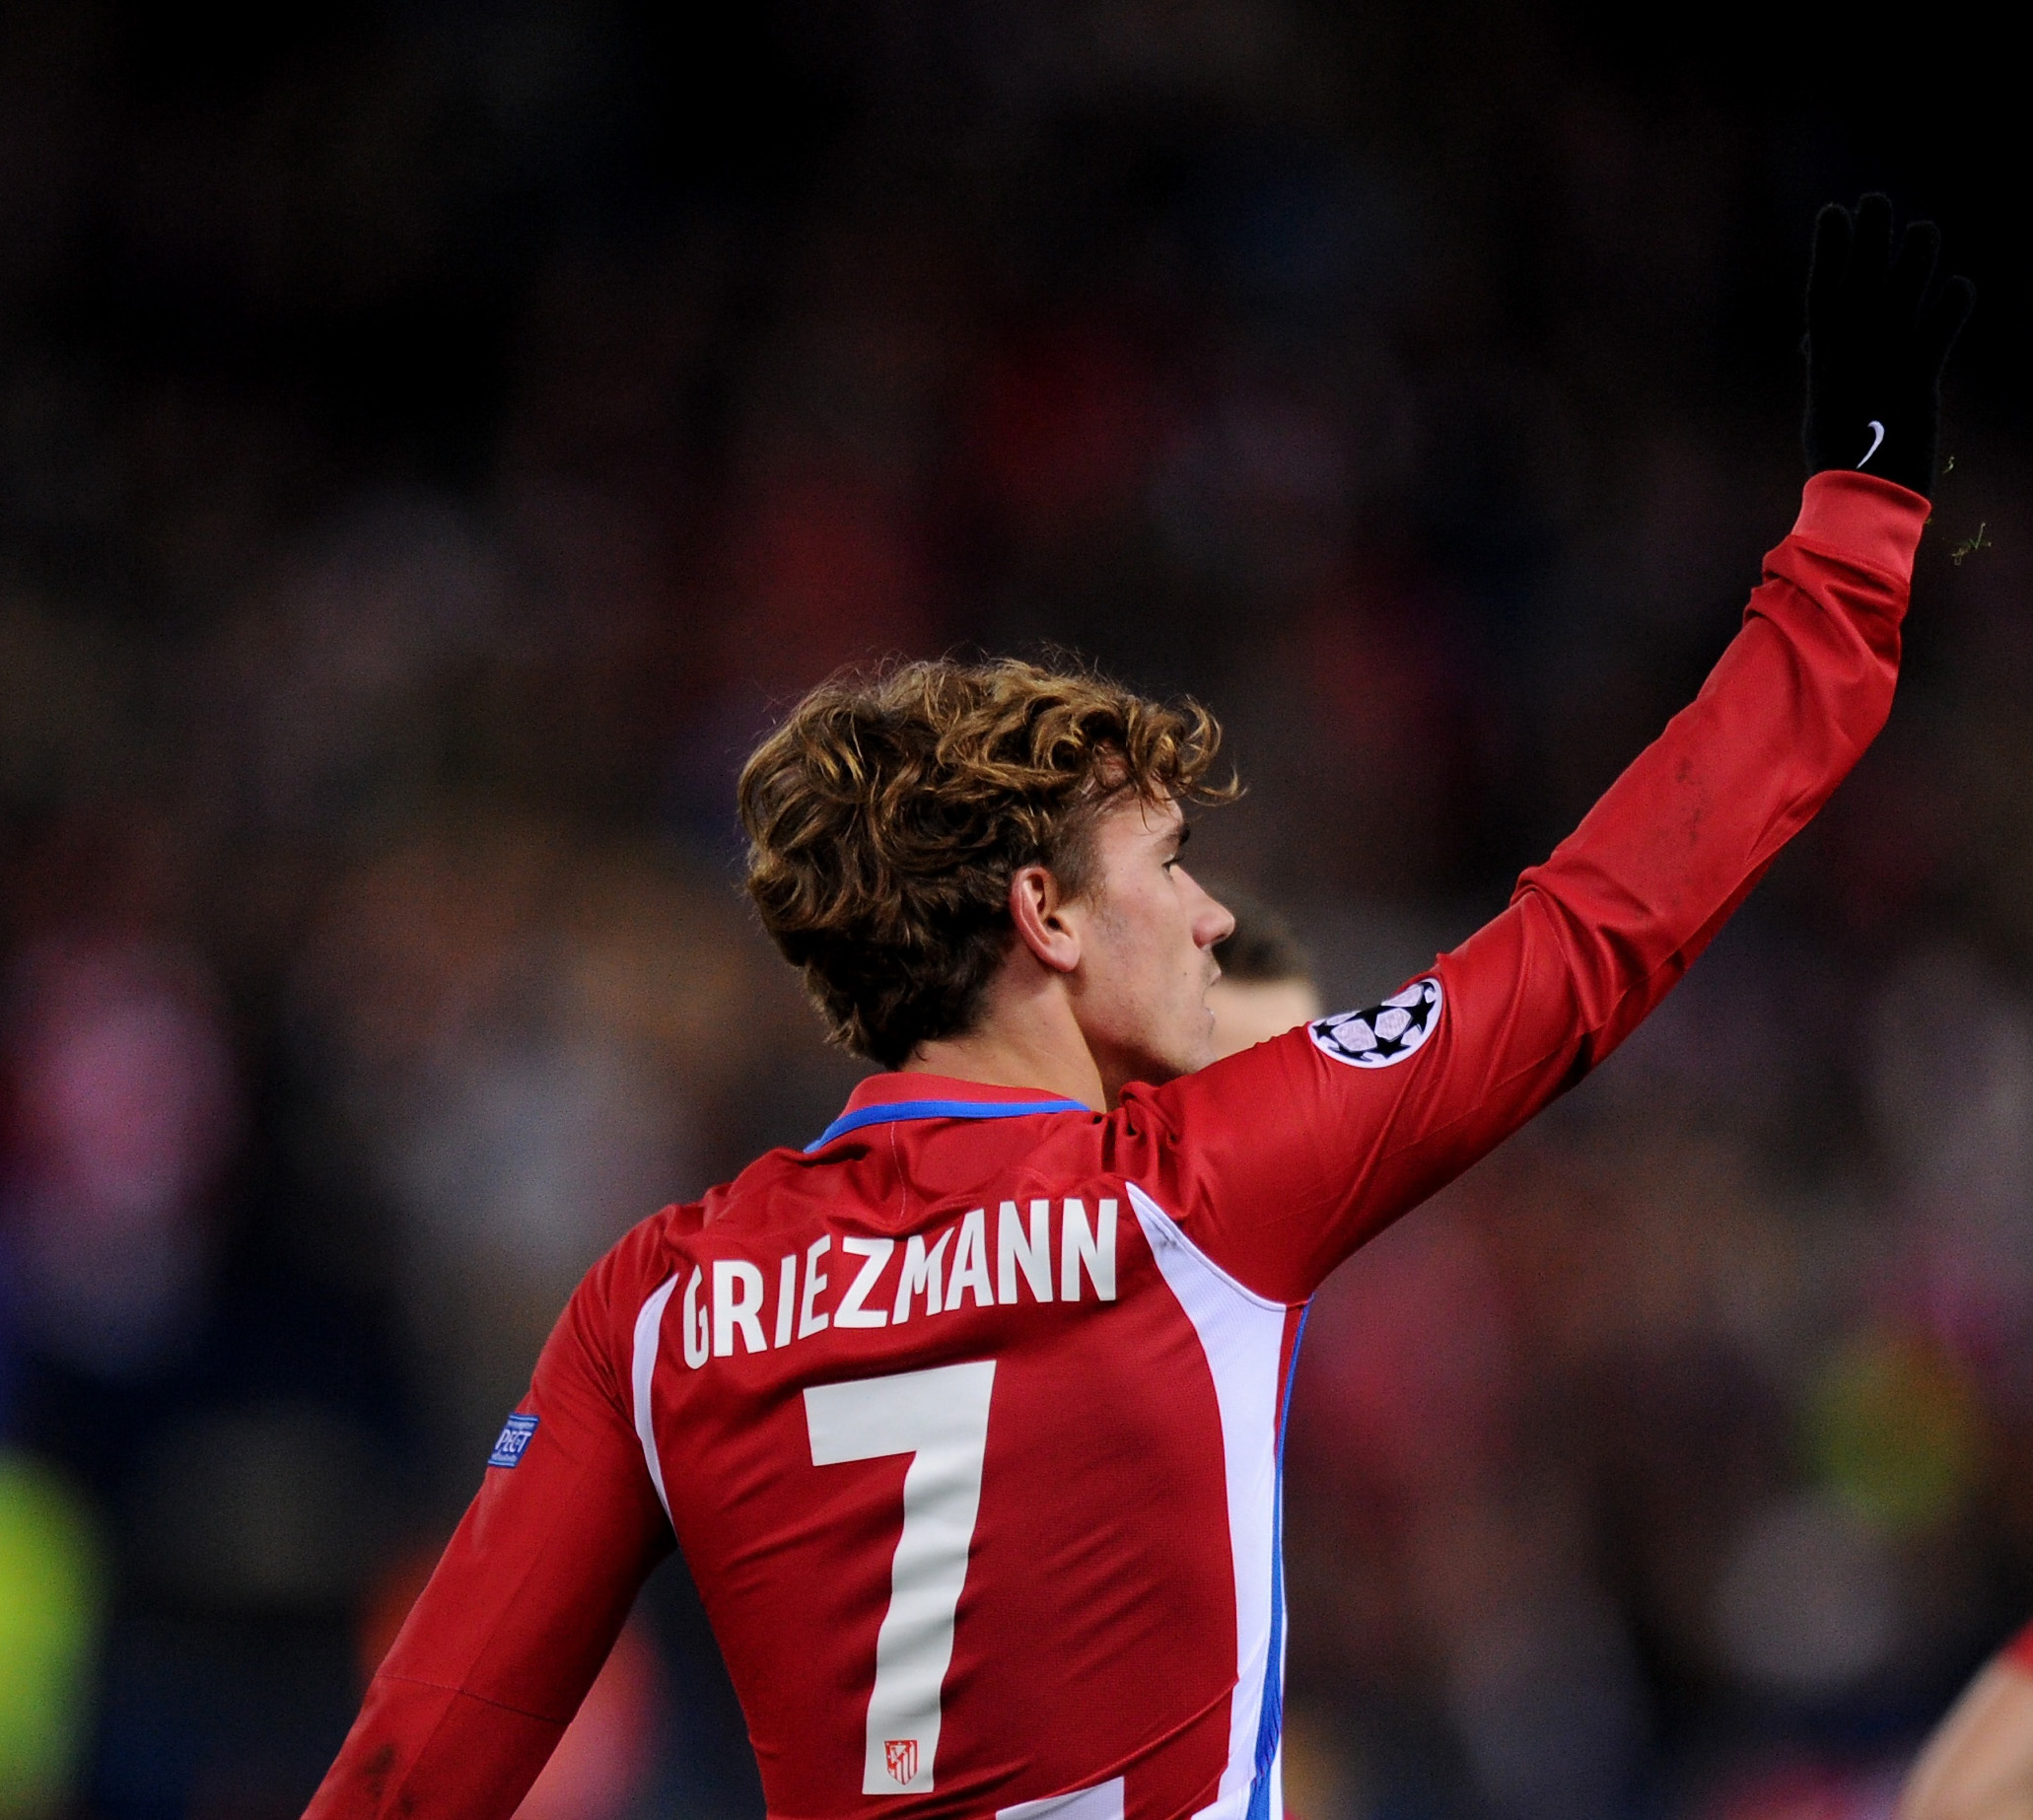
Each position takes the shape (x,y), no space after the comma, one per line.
(968,1418)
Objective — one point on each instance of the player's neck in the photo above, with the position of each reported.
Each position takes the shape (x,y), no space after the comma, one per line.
(1026,1037)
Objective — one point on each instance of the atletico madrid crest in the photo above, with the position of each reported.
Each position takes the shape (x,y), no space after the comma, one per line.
(902,1754)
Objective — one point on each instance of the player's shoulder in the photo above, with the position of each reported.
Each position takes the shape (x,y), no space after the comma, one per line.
(781,1188)
(640,1260)
(1343,1046)
(652,1248)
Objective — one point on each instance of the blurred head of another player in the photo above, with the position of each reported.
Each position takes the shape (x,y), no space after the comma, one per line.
(976,866)
(1267,985)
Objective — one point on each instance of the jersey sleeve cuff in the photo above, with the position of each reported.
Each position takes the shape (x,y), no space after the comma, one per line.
(1868,518)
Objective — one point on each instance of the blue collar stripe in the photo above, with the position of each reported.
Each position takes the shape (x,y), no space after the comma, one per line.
(940,1109)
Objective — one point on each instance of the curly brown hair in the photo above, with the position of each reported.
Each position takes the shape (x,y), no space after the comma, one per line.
(889,811)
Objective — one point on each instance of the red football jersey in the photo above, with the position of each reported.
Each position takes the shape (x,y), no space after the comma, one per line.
(968,1418)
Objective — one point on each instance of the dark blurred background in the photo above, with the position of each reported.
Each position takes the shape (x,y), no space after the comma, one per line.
(435,438)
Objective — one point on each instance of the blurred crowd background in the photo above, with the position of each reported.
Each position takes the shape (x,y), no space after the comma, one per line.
(434,439)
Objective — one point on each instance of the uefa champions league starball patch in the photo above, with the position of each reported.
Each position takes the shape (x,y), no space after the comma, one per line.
(1384,1033)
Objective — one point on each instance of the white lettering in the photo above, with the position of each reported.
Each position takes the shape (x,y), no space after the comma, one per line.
(809,1321)
(921,1275)
(970,1262)
(731,1311)
(1032,1254)
(787,1296)
(850,1312)
(1079,1245)
(940,1418)
(736,1300)
(697,1346)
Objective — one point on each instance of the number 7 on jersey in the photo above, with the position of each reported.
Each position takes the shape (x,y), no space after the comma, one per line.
(939,1417)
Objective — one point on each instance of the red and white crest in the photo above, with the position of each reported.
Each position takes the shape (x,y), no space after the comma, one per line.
(902,1754)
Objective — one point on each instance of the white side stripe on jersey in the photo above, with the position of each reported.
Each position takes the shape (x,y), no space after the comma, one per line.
(1242,1335)
(1103,1802)
(648,1327)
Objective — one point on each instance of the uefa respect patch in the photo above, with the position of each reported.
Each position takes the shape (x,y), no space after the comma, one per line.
(515,1436)
(1384,1033)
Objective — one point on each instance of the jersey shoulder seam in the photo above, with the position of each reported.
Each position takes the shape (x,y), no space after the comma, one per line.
(1148,1209)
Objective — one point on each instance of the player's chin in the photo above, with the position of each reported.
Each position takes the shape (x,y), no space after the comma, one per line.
(1191,1053)
(1155,1063)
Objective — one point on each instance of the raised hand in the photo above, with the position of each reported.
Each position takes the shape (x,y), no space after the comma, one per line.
(1880,328)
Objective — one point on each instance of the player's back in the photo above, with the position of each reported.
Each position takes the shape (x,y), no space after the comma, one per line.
(967,1419)
(974,1460)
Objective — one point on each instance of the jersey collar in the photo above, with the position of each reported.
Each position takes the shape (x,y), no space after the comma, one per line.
(885,1099)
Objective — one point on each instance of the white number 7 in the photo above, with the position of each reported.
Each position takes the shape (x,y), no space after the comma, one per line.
(941,1416)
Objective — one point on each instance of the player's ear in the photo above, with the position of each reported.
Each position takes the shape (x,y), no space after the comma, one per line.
(1037,909)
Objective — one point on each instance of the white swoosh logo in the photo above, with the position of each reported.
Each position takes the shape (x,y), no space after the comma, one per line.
(1877,434)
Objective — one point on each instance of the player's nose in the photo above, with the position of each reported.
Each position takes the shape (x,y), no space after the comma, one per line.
(1213,920)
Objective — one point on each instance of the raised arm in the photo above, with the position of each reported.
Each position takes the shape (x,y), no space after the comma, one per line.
(1303,1148)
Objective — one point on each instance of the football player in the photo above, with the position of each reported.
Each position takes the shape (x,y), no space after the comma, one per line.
(969,1415)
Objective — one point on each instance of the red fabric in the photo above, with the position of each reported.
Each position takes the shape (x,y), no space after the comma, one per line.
(1114,1615)
(2019,1651)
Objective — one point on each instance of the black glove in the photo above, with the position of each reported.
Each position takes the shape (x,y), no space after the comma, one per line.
(1878,333)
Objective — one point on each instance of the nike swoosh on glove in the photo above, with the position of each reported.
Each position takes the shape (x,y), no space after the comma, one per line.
(1880,328)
